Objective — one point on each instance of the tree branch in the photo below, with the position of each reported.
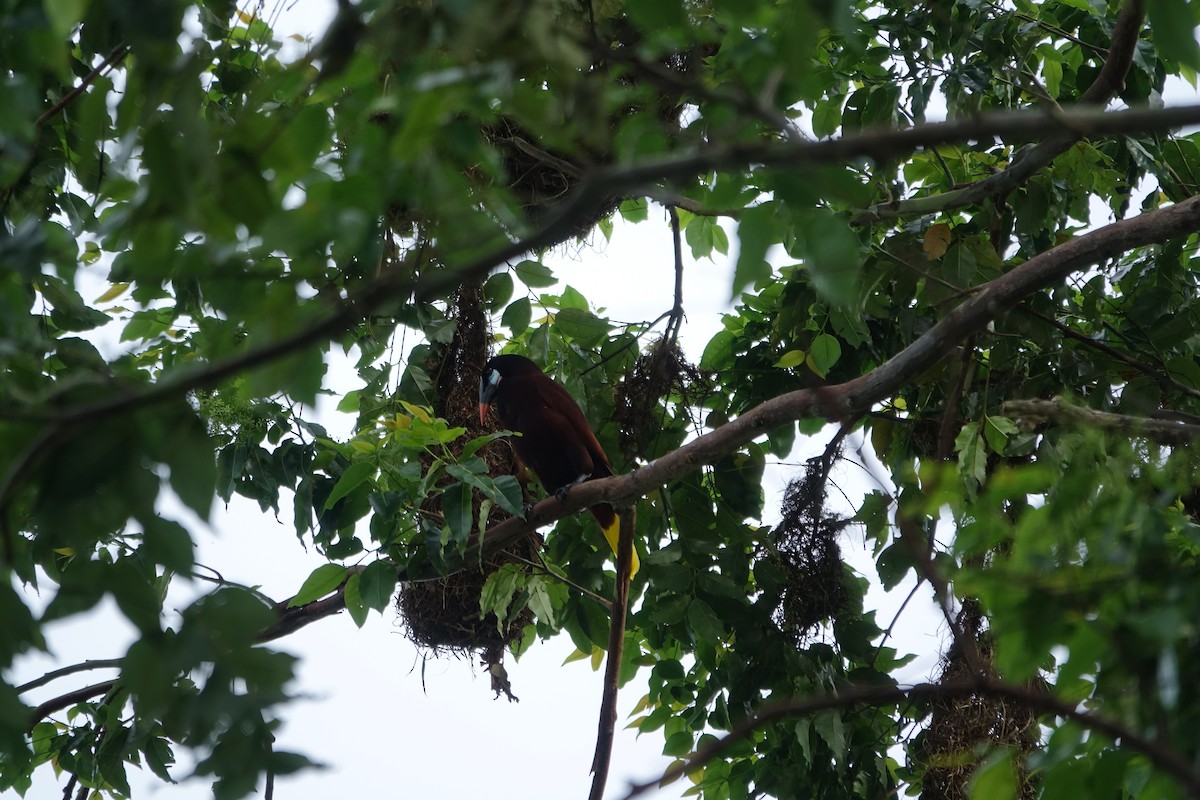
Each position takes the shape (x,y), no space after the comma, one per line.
(67,700)
(99,663)
(1108,82)
(612,665)
(112,59)
(1163,431)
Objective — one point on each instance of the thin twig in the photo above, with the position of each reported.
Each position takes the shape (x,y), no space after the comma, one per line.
(97,663)
(675,315)
(112,59)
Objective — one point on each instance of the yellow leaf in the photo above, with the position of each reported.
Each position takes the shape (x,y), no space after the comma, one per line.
(792,358)
(937,240)
(597,658)
(361,446)
(417,411)
(813,366)
(114,291)
(578,655)
(65,551)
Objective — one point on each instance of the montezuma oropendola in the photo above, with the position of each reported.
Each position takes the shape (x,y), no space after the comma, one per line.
(556,441)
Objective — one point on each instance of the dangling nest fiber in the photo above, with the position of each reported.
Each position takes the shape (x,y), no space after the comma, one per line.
(658,372)
(806,550)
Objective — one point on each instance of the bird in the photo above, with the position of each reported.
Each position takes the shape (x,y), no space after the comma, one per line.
(556,441)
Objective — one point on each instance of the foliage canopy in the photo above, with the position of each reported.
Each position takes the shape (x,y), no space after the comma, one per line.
(254,204)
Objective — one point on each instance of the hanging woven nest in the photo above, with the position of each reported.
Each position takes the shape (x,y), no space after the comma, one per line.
(442,616)
(806,551)
(950,747)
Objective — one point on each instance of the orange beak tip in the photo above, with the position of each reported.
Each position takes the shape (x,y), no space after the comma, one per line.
(483,410)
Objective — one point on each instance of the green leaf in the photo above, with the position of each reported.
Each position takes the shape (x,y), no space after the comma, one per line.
(827,116)
(456,507)
(167,543)
(706,626)
(824,352)
(1173,23)
(498,289)
(188,451)
(351,479)
(517,316)
(354,600)
(679,744)
(323,580)
(583,326)
(718,353)
(378,584)
(534,274)
(997,430)
(504,491)
(349,403)
(64,16)
(704,235)
(738,479)
(657,15)
(758,230)
(972,455)
(498,592)
(539,601)
(792,358)
(996,779)
(832,730)
(833,257)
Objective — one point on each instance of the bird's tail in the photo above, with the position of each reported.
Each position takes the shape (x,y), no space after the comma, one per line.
(610,523)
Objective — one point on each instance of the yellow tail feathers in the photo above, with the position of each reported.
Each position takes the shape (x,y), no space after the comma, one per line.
(613,534)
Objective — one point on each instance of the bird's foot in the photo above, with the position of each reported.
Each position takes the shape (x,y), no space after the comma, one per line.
(527,510)
(561,492)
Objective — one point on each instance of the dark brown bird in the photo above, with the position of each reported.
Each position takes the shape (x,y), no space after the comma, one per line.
(556,441)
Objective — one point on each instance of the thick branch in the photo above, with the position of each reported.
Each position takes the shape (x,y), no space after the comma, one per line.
(1163,431)
(67,700)
(1106,85)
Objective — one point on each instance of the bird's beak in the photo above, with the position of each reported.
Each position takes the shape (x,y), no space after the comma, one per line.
(488,385)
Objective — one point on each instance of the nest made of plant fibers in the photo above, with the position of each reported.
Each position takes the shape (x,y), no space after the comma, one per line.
(442,616)
(962,729)
(807,552)
(658,372)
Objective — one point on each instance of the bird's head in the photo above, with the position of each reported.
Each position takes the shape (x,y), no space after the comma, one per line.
(494,372)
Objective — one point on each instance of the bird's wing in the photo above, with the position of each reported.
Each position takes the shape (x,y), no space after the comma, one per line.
(573,425)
